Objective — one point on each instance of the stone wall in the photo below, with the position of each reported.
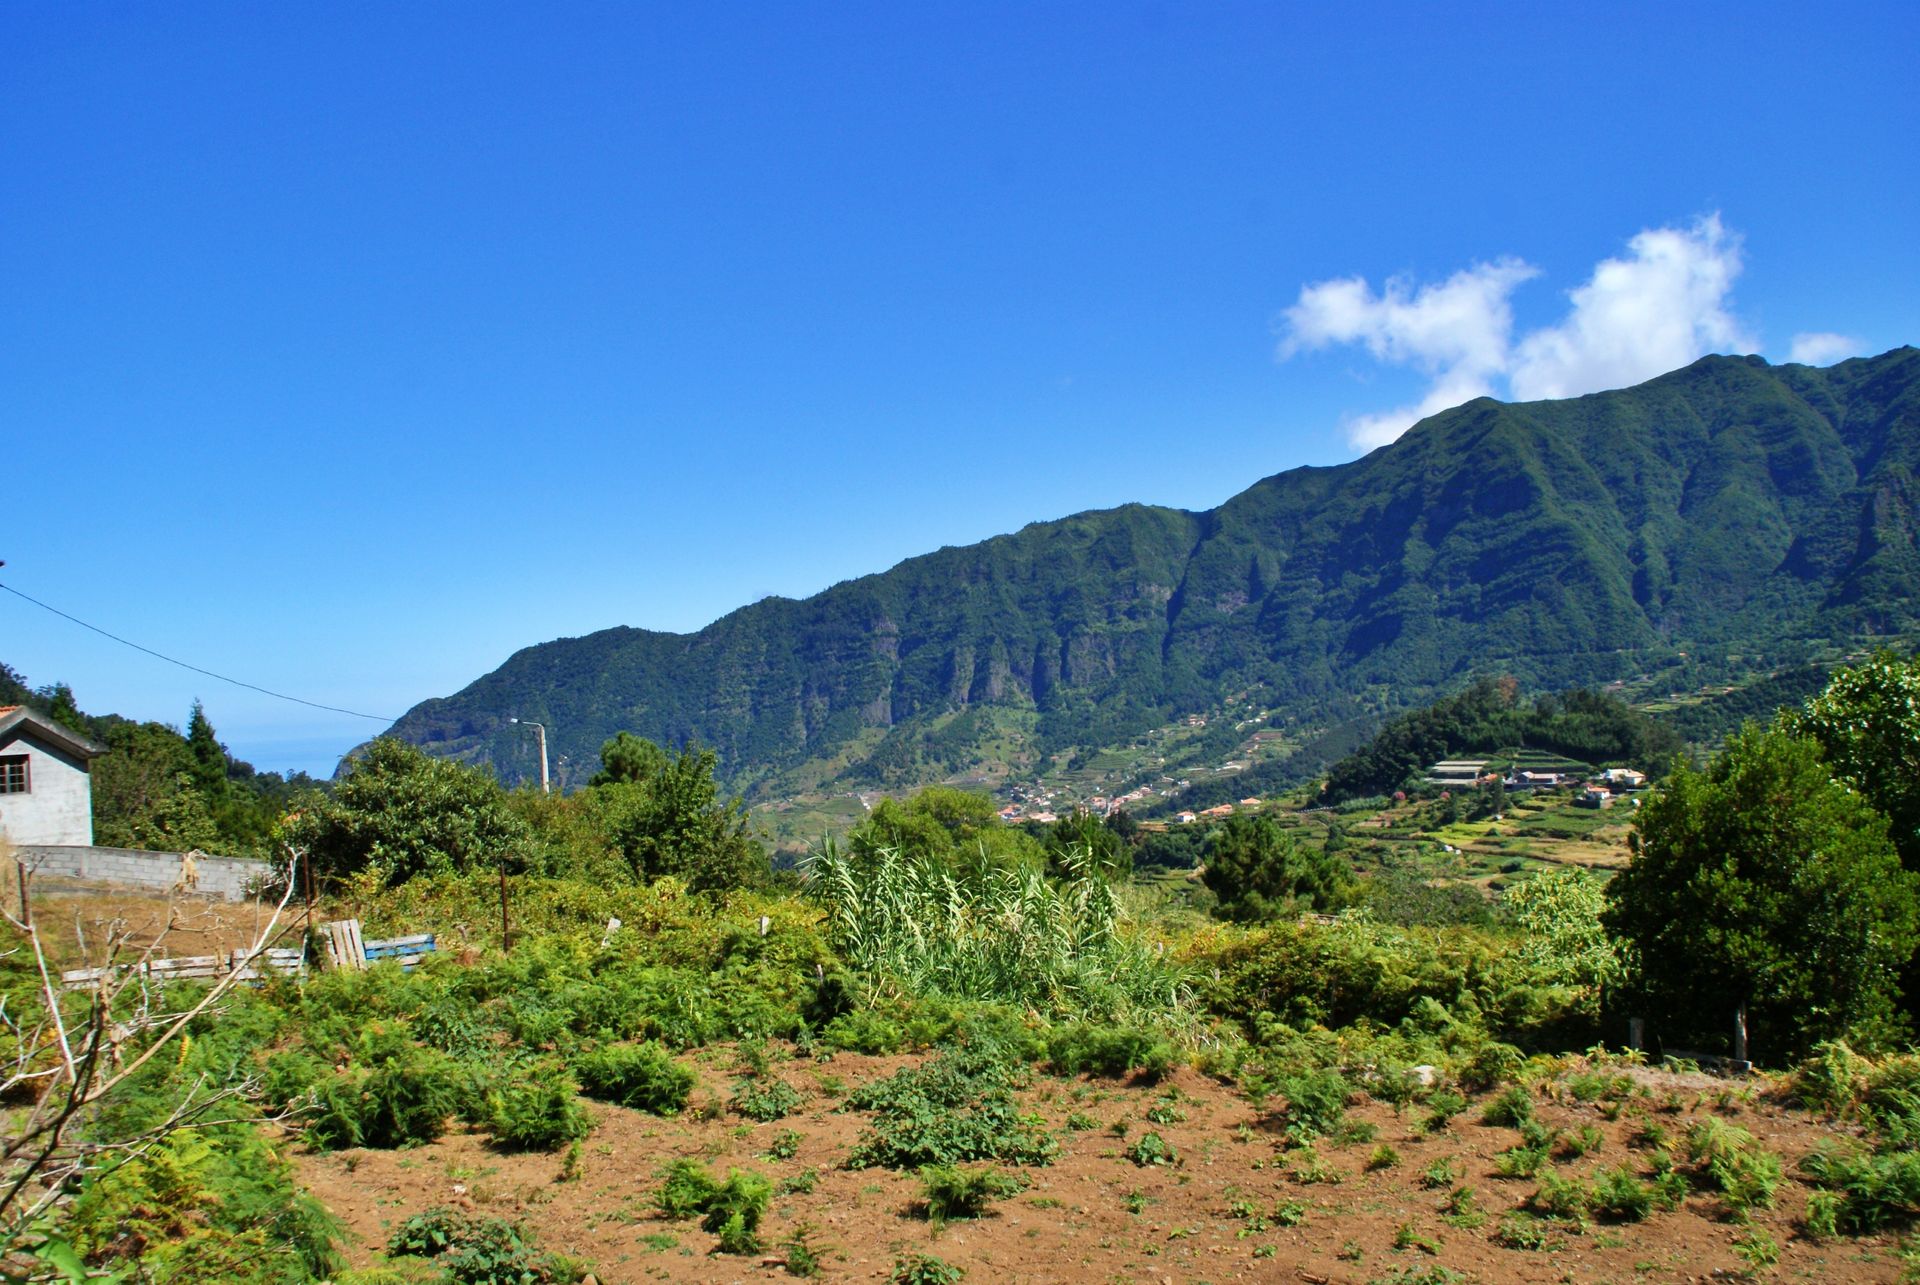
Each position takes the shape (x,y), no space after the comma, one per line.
(234,878)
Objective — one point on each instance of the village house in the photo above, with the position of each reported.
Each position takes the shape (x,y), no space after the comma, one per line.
(46,794)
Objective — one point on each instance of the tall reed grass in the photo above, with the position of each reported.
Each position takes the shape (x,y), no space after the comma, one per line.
(1057,947)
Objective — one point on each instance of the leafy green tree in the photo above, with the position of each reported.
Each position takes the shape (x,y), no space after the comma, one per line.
(209,756)
(403,813)
(59,703)
(1868,723)
(662,812)
(628,758)
(1255,868)
(13,686)
(957,828)
(1562,941)
(143,791)
(1763,881)
(1179,848)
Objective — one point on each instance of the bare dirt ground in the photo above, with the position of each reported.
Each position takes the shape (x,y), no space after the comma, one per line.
(77,921)
(1094,1215)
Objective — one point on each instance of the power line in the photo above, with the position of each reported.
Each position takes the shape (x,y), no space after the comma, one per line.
(252,687)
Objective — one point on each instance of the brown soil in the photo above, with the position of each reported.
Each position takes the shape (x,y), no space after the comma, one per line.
(1093,1215)
(78,922)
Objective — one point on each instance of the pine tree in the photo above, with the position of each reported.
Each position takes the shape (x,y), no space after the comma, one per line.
(209,756)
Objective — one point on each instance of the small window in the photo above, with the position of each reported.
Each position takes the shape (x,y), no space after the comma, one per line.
(13,774)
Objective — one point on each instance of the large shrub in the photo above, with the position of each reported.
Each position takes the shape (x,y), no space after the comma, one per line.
(1765,882)
(402,812)
(642,1076)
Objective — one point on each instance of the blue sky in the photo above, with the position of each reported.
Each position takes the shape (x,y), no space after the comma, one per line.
(346,349)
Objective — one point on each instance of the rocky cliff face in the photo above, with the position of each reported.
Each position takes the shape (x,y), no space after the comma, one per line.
(1731,502)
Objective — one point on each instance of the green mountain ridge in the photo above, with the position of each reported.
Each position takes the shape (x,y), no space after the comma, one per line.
(1728,505)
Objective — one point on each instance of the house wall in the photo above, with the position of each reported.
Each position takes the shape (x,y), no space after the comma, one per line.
(58,807)
(234,878)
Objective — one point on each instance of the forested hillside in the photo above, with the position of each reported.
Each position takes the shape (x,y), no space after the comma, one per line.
(162,789)
(1731,506)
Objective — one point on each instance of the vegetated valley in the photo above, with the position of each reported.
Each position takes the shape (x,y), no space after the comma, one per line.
(1703,530)
(1568,957)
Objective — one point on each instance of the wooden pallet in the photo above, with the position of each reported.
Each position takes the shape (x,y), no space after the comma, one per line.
(346,948)
(409,951)
(276,962)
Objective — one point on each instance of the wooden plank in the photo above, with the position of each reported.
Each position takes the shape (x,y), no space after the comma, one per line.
(391,944)
(407,950)
(191,966)
(278,960)
(344,947)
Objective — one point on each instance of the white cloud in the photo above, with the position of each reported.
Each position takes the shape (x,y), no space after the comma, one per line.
(1659,306)
(1655,310)
(1823,348)
(1458,332)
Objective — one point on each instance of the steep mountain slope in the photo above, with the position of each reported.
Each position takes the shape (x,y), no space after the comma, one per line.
(1731,503)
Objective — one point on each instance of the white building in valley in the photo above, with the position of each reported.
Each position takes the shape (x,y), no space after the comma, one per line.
(46,794)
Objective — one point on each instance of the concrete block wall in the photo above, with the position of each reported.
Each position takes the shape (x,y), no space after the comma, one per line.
(233,878)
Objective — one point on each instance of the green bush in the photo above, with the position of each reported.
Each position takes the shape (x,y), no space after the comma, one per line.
(1510,1109)
(1521,1231)
(1874,1191)
(925,1269)
(641,1076)
(764,1098)
(993,933)
(1084,1049)
(1727,1159)
(732,1210)
(1442,1106)
(1558,1197)
(477,1251)
(686,1187)
(1519,1162)
(955,1191)
(865,1030)
(200,1205)
(1316,1103)
(394,1093)
(1618,1196)
(1152,1149)
(1491,1065)
(1582,1141)
(955,1108)
(406,1098)
(537,1108)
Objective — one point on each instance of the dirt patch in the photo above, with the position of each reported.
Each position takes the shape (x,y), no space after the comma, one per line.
(77,923)
(1094,1215)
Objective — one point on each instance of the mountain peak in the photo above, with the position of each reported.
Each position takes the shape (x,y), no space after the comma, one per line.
(1732,505)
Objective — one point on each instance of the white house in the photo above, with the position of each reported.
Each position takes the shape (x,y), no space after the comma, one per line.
(46,796)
